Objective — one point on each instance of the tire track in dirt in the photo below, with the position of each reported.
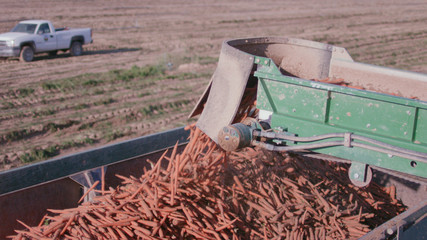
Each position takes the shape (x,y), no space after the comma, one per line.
(120,97)
(146,115)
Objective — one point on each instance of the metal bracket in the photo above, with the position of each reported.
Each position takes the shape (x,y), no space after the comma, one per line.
(360,174)
(347,139)
(357,171)
(262,61)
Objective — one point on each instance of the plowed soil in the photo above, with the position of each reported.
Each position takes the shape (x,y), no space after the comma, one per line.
(59,105)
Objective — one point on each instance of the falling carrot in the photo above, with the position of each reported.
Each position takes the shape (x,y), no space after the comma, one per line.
(87,192)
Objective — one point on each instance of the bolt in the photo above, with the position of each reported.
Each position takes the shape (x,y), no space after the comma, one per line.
(356,176)
(227,138)
(390,231)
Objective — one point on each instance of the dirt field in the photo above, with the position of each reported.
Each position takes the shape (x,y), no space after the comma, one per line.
(150,61)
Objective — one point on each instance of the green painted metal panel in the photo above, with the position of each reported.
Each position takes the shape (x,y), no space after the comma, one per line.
(266,65)
(273,73)
(264,100)
(308,108)
(421,129)
(368,115)
(308,128)
(293,100)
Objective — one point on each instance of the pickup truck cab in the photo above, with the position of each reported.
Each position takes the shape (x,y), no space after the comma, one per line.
(36,36)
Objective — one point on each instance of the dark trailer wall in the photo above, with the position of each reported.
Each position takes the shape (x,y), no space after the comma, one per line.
(26,192)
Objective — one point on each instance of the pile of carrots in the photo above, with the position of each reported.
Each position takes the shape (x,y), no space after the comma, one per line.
(343,83)
(338,81)
(206,193)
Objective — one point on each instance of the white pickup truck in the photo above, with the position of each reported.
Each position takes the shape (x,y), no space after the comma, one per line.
(36,36)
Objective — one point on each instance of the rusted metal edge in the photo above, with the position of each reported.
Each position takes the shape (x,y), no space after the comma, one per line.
(400,223)
(57,168)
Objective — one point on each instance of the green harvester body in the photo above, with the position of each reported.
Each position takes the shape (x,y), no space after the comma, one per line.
(309,108)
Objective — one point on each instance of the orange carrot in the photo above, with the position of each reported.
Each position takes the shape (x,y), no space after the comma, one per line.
(87,192)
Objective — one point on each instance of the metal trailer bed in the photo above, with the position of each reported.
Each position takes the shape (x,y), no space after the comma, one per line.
(26,192)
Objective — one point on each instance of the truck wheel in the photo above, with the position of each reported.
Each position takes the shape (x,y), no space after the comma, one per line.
(76,49)
(27,54)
